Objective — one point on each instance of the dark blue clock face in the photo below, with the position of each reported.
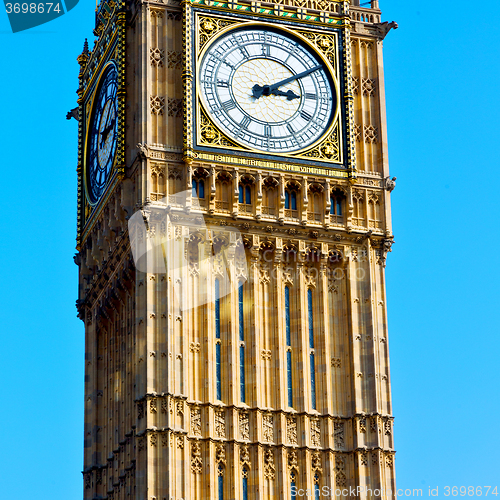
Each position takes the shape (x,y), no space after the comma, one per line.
(103,135)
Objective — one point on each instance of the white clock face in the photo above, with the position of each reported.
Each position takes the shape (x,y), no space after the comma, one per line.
(267,90)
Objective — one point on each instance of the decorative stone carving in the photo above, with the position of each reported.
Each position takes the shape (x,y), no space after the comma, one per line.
(153,439)
(269,467)
(338,435)
(164,405)
(315,432)
(387,427)
(291,430)
(292,461)
(220,424)
(244,426)
(370,133)
(180,407)
(140,409)
(389,460)
(196,421)
(265,354)
(220,454)
(157,104)
(244,456)
(156,56)
(140,443)
(196,460)
(152,405)
(174,59)
(363,457)
(336,362)
(340,477)
(194,347)
(362,424)
(174,107)
(268,427)
(355,85)
(368,85)
(316,463)
(390,184)
(164,439)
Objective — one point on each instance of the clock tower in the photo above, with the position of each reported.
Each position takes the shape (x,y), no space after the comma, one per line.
(233,227)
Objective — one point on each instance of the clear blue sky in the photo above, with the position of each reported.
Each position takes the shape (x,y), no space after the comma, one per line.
(442,73)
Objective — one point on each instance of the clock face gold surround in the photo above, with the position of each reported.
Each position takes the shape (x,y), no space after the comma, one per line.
(267,89)
(102,137)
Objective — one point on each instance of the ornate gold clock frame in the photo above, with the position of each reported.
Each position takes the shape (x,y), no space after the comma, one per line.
(328,34)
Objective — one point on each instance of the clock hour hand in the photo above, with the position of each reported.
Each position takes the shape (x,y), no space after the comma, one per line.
(290,94)
(105,132)
(258,91)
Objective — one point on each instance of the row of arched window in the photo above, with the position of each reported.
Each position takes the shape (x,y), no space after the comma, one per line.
(288,337)
(220,482)
(244,484)
(316,206)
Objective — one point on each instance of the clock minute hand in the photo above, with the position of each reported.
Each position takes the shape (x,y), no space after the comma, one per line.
(257,90)
(293,77)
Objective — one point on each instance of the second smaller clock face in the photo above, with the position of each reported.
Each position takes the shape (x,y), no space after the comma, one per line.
(103,135)
(267,90)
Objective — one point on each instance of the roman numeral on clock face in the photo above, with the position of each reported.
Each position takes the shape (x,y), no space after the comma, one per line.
(267,131)
(313,97)
(306,116)
(222,83)
(229,105)
(245,122)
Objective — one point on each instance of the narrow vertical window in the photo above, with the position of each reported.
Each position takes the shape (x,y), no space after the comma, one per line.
(294,200)
(293,486)
(218,371)
(245,483)
(201,188)
(288,348)
(316,488)
(248,195)
(311,347)
(241,319)
(287,199)
(220,482)
(240,194)
(195,188)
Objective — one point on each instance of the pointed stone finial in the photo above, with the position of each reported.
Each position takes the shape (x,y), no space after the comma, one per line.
(86,47)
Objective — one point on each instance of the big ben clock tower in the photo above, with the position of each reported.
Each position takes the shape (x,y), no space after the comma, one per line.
(259,368)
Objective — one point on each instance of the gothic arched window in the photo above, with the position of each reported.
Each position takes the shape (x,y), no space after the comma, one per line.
(218,366)
(220,482)
(337,203)
(245,197)
(288,348)
(310,321)
(291,203)
(244,474)
(241,321)
(270,197)
(293,486)
(223,192)
(199,188)
(316,208)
